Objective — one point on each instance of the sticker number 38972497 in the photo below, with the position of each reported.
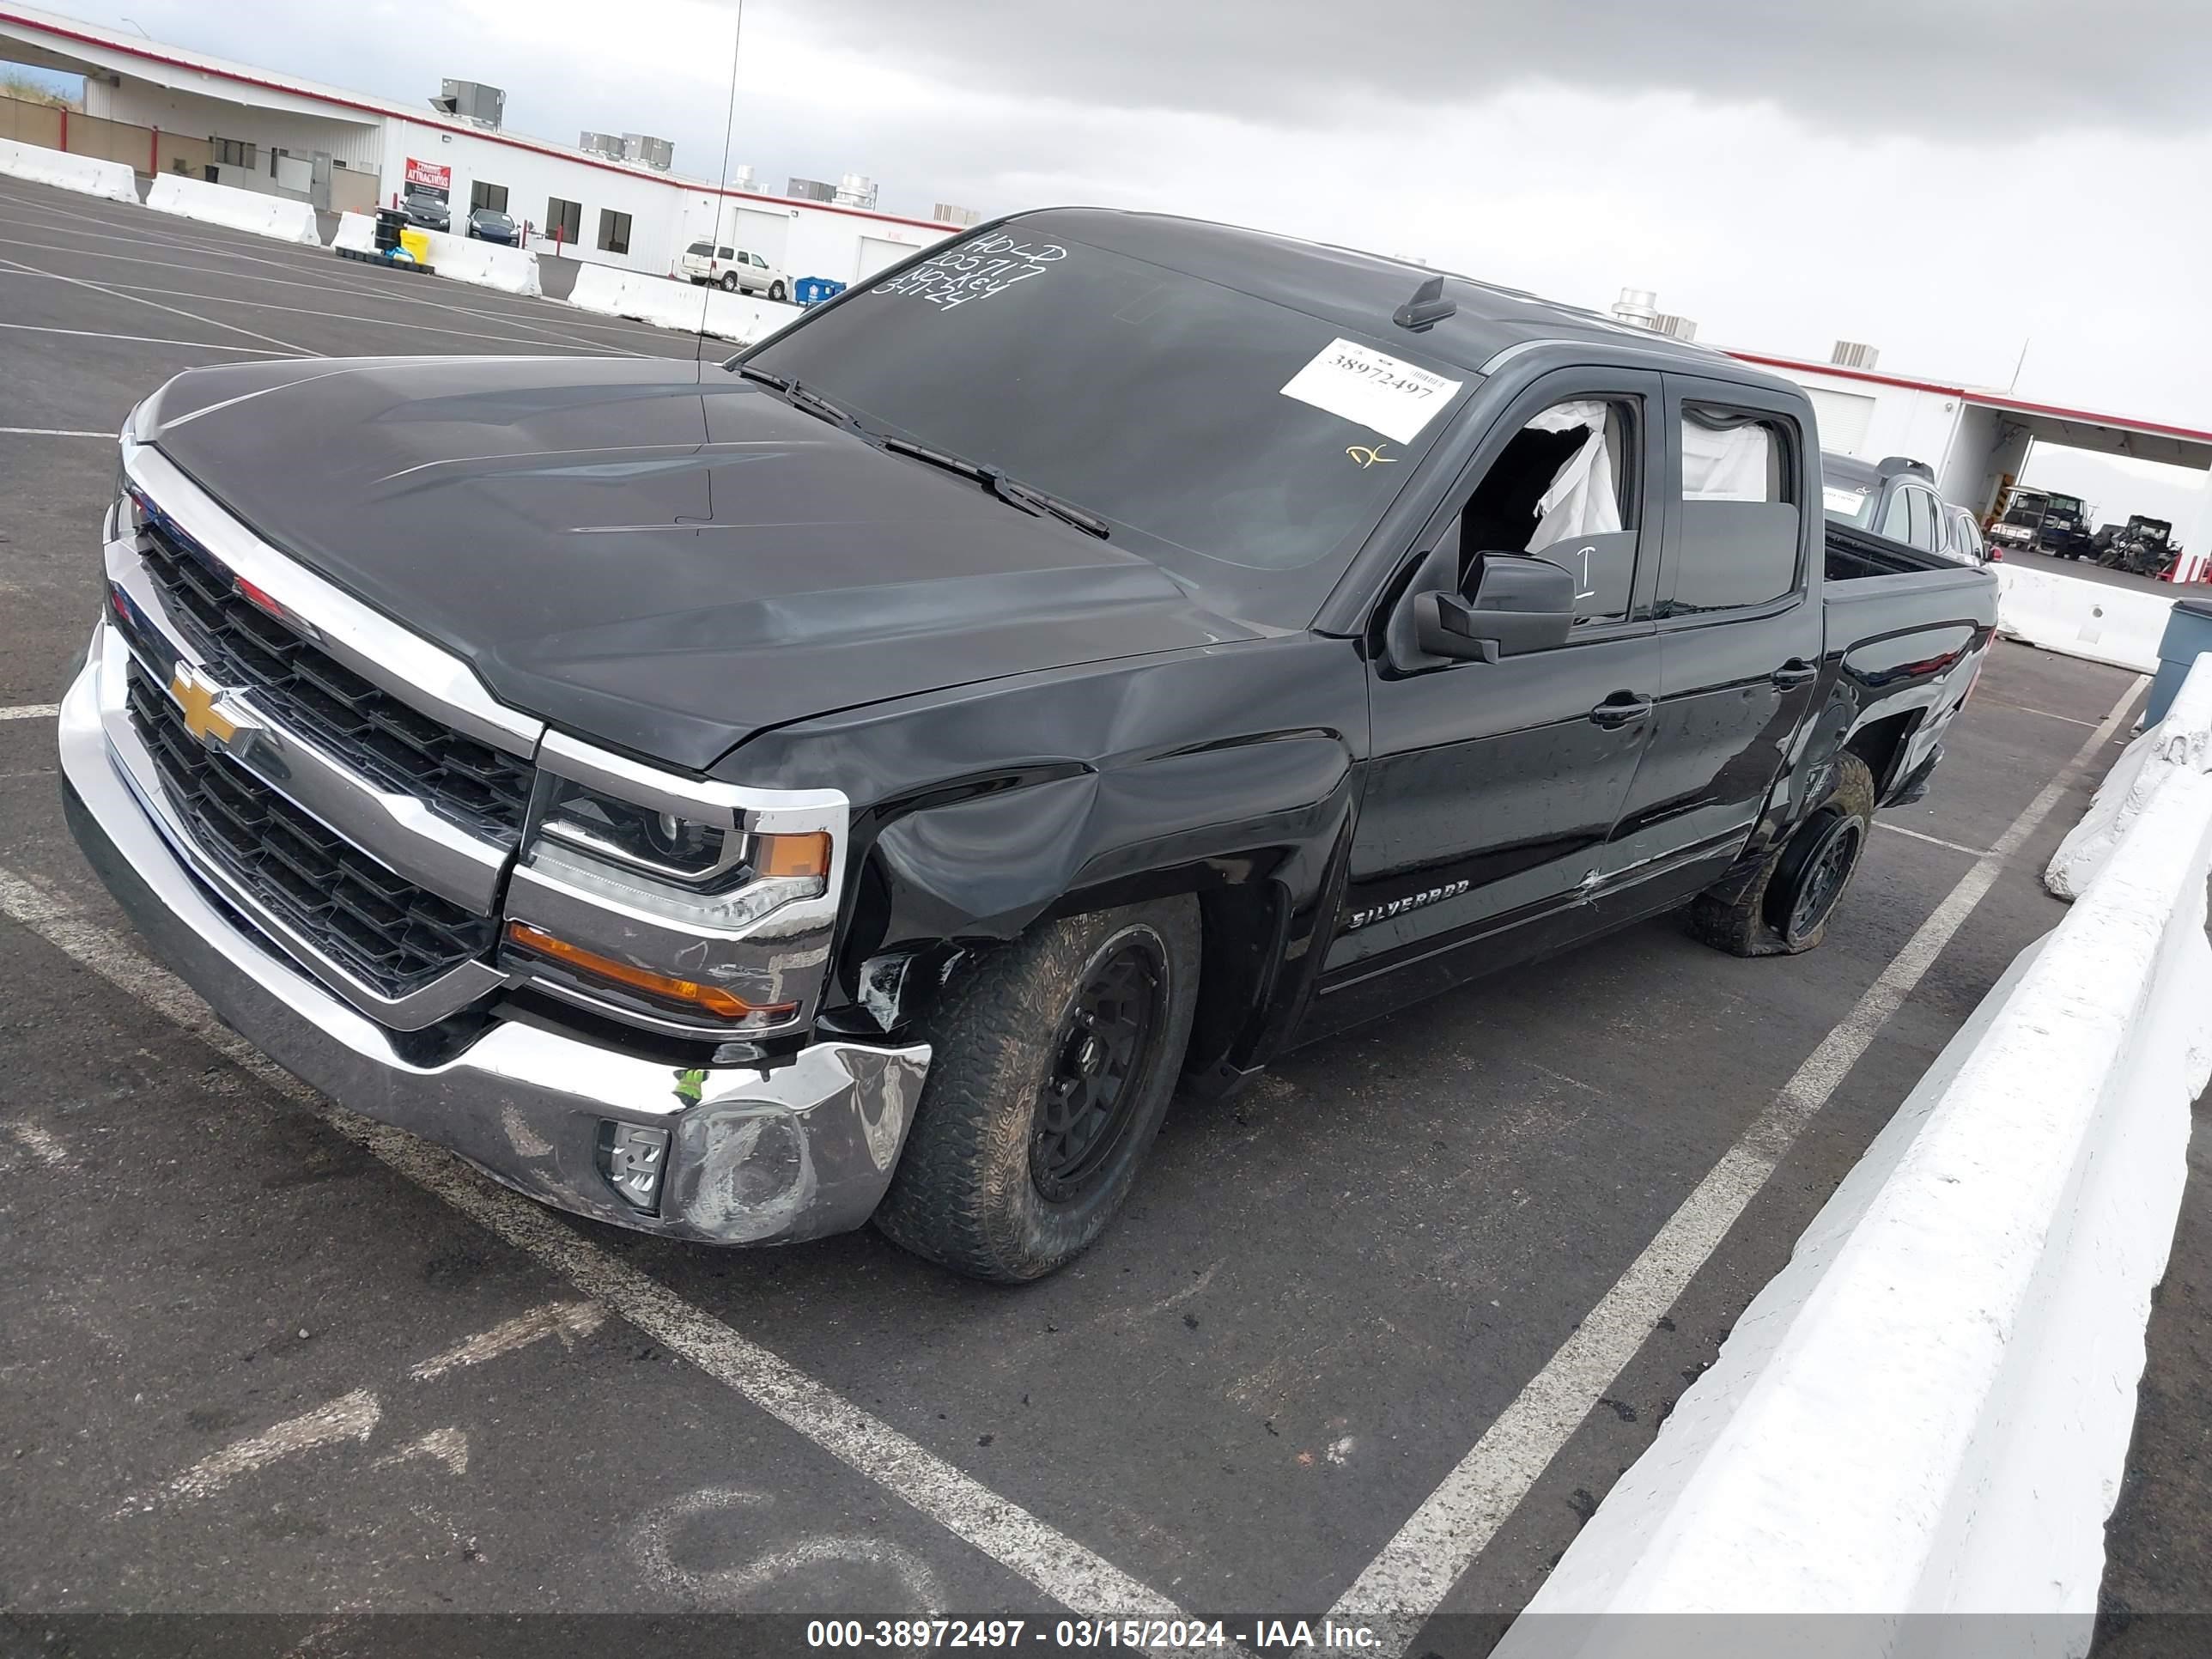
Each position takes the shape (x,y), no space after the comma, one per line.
(1361,384)
(975,271)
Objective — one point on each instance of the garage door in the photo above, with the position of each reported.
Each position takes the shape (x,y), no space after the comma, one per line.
(764,233)
(1843,416)
(875,254)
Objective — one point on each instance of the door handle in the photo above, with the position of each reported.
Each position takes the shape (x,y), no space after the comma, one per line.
(1796,672)
(1621,708)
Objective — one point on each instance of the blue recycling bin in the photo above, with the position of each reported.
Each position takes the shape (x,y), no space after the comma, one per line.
(813,290)
(2188,631)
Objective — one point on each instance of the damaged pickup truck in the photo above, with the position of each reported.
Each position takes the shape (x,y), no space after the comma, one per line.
(861,781)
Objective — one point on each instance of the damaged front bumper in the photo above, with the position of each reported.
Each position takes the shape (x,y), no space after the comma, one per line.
(756,1154)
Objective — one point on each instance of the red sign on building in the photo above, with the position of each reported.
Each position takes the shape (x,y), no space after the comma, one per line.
(429,176)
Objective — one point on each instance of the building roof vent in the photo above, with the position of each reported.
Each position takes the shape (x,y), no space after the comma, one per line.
(1850,354)
(471,101)
(1635,308)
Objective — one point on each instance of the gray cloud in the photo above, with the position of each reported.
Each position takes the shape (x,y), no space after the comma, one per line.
(1864,66)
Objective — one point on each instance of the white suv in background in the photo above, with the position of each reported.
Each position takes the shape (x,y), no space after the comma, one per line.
(733,269)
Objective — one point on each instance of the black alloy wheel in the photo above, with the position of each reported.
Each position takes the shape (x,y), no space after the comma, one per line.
(1102,1054)
(1822,878)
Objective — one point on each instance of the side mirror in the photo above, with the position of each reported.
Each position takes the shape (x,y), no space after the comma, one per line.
(1520,605)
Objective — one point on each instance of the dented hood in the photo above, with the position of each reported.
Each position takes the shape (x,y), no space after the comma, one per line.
(657,554)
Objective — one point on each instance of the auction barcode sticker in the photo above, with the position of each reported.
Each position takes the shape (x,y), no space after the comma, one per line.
(1361,384)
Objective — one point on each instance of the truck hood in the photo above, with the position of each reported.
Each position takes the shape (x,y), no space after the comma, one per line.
(660,556)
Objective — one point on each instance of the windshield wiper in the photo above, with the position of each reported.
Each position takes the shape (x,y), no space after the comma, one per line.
(1013,492)
(800,396)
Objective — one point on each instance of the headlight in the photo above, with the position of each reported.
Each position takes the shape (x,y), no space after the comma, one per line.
(696,909)
(659,843)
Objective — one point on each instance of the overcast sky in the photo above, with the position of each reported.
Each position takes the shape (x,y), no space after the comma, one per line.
(1946,179)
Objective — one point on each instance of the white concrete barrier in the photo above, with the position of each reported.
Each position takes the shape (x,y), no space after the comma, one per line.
(279,216)
(1927,1413)
(2181,742)
(41,166)
(2081,618)
(357,232)
(668,304)
(487,264)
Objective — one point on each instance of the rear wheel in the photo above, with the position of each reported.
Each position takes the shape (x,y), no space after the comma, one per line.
(729,282)
(1782,908)
(775,290)
(1054,1061)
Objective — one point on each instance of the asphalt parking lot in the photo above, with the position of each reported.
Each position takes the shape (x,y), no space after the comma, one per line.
(1387,1325)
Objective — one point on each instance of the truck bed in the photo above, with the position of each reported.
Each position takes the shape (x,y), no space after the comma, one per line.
(1854,555)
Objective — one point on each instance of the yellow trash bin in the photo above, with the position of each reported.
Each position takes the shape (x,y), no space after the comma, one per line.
(416,243)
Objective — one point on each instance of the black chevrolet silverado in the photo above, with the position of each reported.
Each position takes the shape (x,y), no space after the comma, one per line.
(863,779)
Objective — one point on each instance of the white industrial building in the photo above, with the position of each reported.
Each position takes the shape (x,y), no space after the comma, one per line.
(164,108)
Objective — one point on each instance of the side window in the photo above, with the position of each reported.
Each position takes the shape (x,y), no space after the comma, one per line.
(1565,489)
(723,254)
(1897,517)
(1740,520)
(1923,524)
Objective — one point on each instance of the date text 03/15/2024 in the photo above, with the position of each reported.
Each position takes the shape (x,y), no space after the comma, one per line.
(1169,1635)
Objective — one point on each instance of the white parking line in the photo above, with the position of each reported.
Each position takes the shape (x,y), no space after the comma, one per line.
(113,294)
(47,432)
(34,711)
(1933,840)
(1048,1560)
(1407,1581)
(137,339)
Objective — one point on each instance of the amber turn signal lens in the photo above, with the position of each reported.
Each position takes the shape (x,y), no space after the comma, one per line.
(712,999)
(793,855)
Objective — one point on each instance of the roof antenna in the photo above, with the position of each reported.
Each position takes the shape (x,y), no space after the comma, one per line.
(1426,309)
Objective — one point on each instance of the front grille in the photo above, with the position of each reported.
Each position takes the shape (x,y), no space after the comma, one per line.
(305,689)
(381,928)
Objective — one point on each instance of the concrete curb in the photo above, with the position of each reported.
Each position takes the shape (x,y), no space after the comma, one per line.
(58,167)
(1928,1411)
(2181,742)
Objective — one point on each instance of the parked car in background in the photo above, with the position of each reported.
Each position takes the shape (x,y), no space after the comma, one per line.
(491,225)
(426,210)
(734,270)
(2043,521)
(1895,498)
(1962,540)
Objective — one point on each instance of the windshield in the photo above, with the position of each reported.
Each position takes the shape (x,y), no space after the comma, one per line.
(2070,505)
(495,221)
(1158,401)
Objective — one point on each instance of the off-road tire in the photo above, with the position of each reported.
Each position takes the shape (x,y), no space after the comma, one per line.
(964,1194)
(1747,916)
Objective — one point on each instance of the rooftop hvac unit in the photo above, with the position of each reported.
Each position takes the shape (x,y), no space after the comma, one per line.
(946,213)
(855,189)
(743,179)
(471,101)
(659,154)
(1635,308)
(1850,354)
(811,190)
(609,144)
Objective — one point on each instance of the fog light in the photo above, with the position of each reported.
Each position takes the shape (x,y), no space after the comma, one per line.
(631,1158)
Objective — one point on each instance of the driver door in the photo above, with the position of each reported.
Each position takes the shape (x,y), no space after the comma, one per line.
(1493,788)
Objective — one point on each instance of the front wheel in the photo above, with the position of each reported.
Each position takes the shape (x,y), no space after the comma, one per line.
(1783,907)
(1054,1061)
(775,291)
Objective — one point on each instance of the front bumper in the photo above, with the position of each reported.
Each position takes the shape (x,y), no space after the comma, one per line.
(757,1154)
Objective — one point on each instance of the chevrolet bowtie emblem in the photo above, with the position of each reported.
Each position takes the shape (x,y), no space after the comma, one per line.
(198,700)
